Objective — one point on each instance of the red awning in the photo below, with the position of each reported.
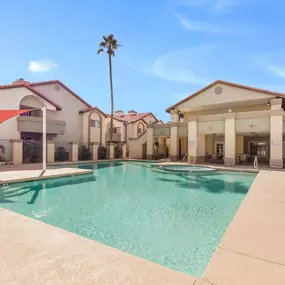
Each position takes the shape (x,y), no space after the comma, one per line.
(8,114)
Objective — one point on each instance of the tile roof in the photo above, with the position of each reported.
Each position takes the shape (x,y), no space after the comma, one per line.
(229,84)
(93,109)
(132,118)
(28,86)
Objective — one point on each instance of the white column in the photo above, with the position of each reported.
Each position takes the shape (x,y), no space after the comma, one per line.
(74,151)
(230,140)
(174,135)
(149,142)
(174,142)
(17,151)
(201,147)
(192,141)
(111,148)
(276,134)
(124,151)
(94,150)
(44,111)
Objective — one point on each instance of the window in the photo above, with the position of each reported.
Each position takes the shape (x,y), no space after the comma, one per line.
(258,148)
(140,129)
(220,148)
(27,114)
(95,124)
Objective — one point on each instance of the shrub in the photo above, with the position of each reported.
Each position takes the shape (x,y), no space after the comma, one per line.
(61,154)
(102,152)
(118,151)
(84,153)
(2,152)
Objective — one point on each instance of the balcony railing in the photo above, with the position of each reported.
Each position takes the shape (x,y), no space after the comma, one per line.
(35,125)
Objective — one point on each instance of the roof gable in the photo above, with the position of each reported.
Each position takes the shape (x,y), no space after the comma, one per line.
(64,86)
(27,86)
(229,84)
(93,109)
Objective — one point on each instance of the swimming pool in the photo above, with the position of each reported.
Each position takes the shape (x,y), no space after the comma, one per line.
(174,219)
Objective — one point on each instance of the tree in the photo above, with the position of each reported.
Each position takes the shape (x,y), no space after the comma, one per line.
(110,45)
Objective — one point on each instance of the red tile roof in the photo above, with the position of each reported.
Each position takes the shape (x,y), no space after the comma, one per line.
(229,84)
(93,109)
(28,86)
(133,118)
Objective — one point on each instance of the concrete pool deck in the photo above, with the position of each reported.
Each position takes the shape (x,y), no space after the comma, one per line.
(250,253)
(36,253)
(30,175)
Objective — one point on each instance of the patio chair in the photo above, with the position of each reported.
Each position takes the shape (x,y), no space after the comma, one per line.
(5,164)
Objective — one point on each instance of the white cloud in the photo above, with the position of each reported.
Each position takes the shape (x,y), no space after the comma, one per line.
(217,6)
(194,25)
(43,65)
(176,66)
(206,27)
(277,70)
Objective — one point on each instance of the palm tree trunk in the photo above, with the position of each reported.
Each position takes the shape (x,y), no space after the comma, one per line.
(112,98)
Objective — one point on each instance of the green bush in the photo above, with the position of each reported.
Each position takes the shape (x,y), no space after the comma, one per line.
(61,154)
(2,152)
(118,151)
(84,153)
(102,152)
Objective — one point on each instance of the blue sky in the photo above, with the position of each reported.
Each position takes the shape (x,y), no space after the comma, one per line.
(170,48)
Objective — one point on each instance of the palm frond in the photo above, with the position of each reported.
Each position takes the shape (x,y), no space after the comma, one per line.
(102,44)
(100,50)
(105,39)
(110,38)
(114,42)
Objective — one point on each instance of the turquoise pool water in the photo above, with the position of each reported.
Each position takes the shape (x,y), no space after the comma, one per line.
(174,219)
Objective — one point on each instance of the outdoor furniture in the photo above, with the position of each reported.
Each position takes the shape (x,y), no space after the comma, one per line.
(5,164)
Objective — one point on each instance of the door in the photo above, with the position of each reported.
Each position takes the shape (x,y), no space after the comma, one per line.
(219,149)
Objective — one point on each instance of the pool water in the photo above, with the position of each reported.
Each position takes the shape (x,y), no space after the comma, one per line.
(174,219)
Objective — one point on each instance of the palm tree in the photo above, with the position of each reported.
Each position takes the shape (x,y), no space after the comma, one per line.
(110,44)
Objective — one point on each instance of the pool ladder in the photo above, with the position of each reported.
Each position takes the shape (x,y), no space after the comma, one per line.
(184,157)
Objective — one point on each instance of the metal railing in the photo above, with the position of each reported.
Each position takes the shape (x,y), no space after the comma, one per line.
(5,150)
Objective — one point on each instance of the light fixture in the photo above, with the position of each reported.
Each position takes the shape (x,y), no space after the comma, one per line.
(268,103)
(230,110)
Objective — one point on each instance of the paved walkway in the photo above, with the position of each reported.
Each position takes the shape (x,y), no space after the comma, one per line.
(34,253)
(252,252)
(28,175)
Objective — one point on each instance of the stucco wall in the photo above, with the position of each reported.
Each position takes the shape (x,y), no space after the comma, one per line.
(70,111)
(117,124)
(10,100)
(229,94)
(136,147)
(239,144)
(225,110)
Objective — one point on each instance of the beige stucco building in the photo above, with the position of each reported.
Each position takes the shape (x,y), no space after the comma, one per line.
(225,122)
(70,119)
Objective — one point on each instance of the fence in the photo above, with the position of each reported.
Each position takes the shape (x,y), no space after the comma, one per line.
(5,150)
(62,151)
(32,151)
